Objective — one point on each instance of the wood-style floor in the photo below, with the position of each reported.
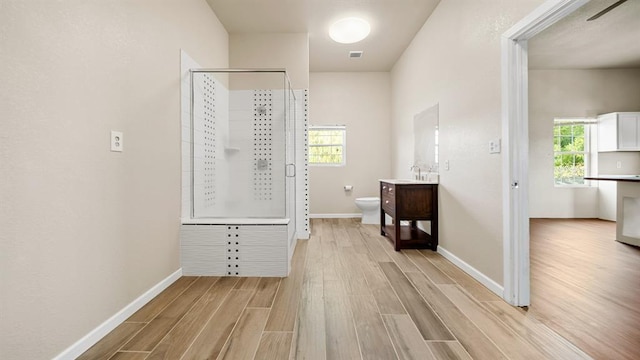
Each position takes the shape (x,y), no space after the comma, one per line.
(586,286)
(350,296)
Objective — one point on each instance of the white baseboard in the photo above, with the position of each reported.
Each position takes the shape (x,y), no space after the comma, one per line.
(103,329)
(473,272)
(335,216)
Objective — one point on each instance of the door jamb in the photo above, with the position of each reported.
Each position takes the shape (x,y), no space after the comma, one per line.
(515,135)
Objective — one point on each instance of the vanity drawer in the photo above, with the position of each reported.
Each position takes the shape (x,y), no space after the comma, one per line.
(387,191)
(387,188)
(388,205)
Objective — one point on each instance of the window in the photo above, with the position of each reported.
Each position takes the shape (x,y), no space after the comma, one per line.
(327,145)
(570,151)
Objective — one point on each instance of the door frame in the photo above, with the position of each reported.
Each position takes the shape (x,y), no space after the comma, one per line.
(515,135)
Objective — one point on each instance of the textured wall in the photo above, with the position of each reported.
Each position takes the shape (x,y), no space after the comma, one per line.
(85,231)
(454,61)
(361,101)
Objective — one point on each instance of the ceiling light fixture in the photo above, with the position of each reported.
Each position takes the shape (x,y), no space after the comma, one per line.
(349,30)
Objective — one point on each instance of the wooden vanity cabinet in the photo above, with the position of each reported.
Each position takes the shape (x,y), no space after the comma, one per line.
(409,201)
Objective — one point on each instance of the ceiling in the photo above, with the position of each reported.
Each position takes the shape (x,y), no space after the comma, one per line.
(611,41)
(394,23)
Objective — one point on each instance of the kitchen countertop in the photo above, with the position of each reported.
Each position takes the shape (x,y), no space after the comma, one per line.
(631,178)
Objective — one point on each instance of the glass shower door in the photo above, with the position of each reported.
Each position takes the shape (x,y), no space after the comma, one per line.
(240,144)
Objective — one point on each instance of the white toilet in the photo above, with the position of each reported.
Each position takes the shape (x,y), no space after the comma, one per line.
(370,207)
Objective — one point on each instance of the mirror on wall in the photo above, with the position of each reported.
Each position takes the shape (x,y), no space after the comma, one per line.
(425,129)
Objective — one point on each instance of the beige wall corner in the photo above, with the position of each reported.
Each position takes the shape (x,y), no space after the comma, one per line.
(454,61)
(361,101)
(85,231)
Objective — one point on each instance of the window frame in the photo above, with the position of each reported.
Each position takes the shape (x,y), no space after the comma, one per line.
(588,124)
(341,128)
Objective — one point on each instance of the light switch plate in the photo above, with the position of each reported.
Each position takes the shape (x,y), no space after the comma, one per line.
(116,141)
(494,146)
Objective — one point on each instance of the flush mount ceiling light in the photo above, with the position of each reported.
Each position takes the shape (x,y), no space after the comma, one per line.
(349,30)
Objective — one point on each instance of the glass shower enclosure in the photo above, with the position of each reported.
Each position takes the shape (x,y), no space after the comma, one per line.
(242,145)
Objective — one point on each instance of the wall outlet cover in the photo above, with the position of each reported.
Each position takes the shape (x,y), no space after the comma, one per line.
(494,146)
(116,141)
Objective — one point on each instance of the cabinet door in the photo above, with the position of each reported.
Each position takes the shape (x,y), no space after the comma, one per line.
(607,133)
(628,132)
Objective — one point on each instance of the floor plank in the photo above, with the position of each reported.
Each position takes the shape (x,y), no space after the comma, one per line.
(310,339)
(381,289)
(406,338)
(247,283)
(112,342)
(431,271)
(245,338)
(152,334)
(213,336)
(467,333)
(153,308)
(427,321)
(341,338)
(448,350)
(399,257)
(274,345)
(372,335)
(471,285)
(177,341)
(129,356)
(265,292)
(541,336)
(509,342)
(285,305)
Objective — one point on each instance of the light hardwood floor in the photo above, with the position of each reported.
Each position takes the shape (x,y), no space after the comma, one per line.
(586,286)
(349,296)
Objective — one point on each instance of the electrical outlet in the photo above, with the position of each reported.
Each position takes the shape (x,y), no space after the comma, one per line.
(619,164)
(494,146)
(446,165)
(116,141)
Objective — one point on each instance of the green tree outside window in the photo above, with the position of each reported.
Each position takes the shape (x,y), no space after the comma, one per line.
(327,145)
(571,152)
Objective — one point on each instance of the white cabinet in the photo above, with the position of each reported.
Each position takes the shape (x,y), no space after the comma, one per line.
(619,131)
(234,250)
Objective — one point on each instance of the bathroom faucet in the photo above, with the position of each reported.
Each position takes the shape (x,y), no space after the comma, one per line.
(416,167)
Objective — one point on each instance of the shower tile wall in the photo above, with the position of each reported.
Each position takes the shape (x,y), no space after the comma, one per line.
(238,151)
(302,169)
(210,129)
(255,155)
(262,145)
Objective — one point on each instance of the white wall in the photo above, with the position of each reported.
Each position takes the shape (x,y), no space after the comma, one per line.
(575,93)
(362,102)
(85,231)
(454,61)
